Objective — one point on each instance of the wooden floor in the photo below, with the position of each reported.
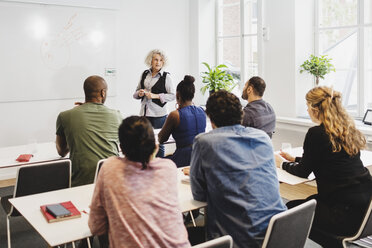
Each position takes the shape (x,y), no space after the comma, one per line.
(8,182)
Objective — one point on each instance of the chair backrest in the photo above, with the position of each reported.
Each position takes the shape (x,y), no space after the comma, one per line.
(365,228)
(290,228)
(42,177)
(221,242)
(99,165)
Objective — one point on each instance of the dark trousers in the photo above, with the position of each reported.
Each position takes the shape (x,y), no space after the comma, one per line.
(158,122)
(102,240)
(332,220)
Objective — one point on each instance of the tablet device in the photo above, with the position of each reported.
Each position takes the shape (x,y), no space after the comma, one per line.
(368,117)
(57,210)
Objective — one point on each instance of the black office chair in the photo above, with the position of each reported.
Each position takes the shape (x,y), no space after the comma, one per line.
(99,165)
(361,237)
(221,242)
(37,178)
(290,228)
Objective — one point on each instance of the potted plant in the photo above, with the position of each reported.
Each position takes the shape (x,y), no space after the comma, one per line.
(217,78)
(318,66)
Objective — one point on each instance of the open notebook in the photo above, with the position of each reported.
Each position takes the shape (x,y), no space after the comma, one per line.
(288,178)
(285,177)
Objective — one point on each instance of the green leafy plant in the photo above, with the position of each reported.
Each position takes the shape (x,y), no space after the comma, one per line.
(317,66)
(217,78)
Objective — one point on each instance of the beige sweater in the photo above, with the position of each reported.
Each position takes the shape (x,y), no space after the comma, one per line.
(138,208)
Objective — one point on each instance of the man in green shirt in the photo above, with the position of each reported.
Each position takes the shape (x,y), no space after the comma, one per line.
(89,132)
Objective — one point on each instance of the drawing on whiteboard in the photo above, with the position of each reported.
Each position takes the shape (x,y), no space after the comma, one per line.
(55,51)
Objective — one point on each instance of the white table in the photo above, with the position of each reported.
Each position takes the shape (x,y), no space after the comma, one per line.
(75,229)
(41,151)
(61,232)
(285,177)
(187,202)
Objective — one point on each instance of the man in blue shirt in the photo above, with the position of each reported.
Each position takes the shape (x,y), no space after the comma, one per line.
(233,169)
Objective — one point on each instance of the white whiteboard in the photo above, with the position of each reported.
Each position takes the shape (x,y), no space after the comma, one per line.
(47,51)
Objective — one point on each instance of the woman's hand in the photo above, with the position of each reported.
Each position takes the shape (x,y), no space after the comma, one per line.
(287,156)
(148,94)
(278,160)
(141,92)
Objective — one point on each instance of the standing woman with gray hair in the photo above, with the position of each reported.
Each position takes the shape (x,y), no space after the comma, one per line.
(155,89)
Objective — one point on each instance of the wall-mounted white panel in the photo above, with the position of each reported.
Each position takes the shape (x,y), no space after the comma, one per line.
(102,4)
(47,50)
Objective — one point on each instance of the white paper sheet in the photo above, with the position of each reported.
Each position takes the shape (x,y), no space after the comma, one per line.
(288,178)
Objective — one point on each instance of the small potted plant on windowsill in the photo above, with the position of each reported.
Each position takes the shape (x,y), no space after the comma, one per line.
(217,78)
(318,66)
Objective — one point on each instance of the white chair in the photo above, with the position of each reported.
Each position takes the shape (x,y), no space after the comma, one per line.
(361,237)
(99,165)
(221,242)
(290,228)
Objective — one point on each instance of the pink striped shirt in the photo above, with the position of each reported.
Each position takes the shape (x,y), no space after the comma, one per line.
(138,208)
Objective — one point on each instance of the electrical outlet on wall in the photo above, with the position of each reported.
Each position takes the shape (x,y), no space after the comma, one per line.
(111,72)
(266,33)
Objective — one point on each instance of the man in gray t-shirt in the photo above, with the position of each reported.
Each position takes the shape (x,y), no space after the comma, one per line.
(258,113)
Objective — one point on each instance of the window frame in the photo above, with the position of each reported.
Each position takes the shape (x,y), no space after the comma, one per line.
(360,26)
(242,36)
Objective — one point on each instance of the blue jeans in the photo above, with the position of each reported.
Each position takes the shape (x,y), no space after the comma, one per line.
(158,122)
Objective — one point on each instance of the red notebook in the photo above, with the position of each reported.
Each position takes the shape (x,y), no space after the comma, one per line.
(75,213)
(24,157)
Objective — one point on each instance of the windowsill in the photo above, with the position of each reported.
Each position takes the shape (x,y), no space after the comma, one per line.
(301,124)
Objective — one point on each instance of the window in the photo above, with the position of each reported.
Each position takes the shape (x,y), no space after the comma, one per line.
(237,37)
(343,31)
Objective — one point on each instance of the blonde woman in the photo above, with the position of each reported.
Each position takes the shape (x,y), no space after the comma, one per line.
(155,89)
(332,152)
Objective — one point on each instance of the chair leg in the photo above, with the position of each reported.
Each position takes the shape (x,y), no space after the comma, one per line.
(8,230)
(192,218)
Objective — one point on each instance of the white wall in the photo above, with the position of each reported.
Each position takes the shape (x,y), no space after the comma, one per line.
(304,46)
(206,44)
(107,4)
(185,29)
(279,56)
(291,30)
(142,25)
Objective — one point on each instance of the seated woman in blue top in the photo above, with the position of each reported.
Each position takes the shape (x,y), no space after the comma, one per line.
(184,123)
(332,152)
